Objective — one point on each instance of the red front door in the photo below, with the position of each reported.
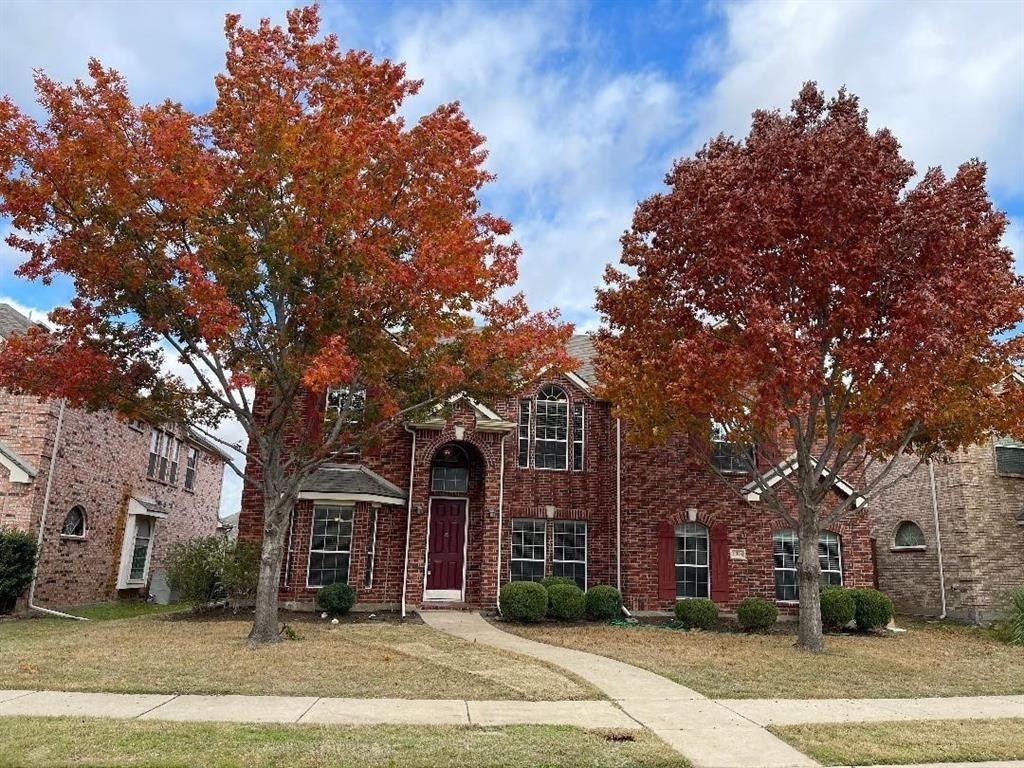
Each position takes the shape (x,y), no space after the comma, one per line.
(447,542)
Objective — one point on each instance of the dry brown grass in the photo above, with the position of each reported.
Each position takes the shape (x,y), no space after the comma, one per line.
(170,655)
(928,660)
(925,741)
(33,742)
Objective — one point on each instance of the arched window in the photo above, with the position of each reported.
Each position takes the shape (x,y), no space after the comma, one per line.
(449,472)
(908,535)
(692,573)
(786,551)
(74,523)
(555,434)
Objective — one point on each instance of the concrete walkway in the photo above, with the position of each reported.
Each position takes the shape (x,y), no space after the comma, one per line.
(707,733)
(311,709)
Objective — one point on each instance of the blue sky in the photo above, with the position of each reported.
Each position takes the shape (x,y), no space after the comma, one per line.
(586,104)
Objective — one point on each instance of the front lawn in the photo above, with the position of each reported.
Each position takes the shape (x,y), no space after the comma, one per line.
(46,742)
(927,660)
(180,654)
(923,741)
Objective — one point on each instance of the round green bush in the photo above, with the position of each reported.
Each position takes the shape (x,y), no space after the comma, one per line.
(337,599)
(549,581)
(755,614)
(523,601)
(566,602)
(696,613)
(873,608)
(837,607)
(603,603)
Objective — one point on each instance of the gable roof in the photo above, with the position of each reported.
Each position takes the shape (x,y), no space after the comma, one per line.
(351,482)
(19,469)
(752,491)
(582,348)
(12,322)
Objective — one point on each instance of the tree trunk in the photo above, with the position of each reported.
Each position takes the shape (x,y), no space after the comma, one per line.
(809,579)
(264,628)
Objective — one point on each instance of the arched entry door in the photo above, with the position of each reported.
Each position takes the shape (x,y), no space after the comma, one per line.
(448,524)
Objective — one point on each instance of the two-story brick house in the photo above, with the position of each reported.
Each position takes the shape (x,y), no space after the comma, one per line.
(950,537)
(112,496)
(445,510)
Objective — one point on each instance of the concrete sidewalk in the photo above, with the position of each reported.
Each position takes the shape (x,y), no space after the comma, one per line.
(706,733)
(718,734)
(311,709)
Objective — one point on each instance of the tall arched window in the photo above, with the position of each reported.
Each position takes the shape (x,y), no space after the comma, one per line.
(692,573)
(550,432)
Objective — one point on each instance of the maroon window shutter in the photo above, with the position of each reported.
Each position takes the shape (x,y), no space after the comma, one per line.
(666,561)
(720,564)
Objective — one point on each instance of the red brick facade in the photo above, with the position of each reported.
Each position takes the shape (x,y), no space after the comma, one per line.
(659,488)
(98,464)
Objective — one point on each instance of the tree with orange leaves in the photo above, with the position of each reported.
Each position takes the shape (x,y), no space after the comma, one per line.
(795,289)
(297,236)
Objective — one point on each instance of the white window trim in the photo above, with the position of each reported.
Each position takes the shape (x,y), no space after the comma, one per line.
(371,548)
(447,595)
(583,437)
(351,538)
(905,547)
(527,437)
(511,539)
(191,452)
(1006,444)
(706,566)
(842,580)
(586,545)
(135,511)
(85,525)
(536,431)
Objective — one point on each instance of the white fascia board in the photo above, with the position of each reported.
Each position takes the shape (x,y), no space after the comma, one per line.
(19,470)
(786,468)
(373,498)
(576,379)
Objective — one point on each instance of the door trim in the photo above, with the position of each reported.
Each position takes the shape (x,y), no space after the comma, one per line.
(447,595)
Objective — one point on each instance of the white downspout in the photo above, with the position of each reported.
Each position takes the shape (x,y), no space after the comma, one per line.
(501,510)
(408,516)
(938,537)
(42,523)
(618,505)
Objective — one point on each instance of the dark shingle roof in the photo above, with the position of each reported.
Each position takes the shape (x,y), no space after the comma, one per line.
(582,348)
(354,479)
(12,321)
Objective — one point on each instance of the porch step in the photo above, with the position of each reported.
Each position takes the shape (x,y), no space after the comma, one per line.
(442,606)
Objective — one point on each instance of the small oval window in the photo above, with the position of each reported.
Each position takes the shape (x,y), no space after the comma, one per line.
(74,523)
(909,534)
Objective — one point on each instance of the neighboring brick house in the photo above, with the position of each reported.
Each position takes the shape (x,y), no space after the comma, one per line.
(971,508)
(537,485)
(114,495)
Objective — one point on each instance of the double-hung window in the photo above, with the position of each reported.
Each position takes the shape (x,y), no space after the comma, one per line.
(528,547)
(525,409)
(570,551)
(577,436)
(786,551)
(692,572)
(1010,457)
(551,447)
(191,467)
(729,457)
(330,546)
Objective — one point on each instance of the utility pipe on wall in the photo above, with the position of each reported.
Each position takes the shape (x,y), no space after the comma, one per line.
(42,522)
(408,516)
(938,537)
(618,505)
(501,510)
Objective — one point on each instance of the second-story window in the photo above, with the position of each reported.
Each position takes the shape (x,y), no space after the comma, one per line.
(729,457)
(163,457)
(191,467)
(551,447)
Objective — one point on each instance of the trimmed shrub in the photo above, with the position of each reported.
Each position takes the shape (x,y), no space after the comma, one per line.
(523,601)
(566,602)
(17,559)
(755,614)
(603,602)
(549,581)
(211,568)
(873,608)
(697,613)
(336,599)
(1016,616)
(838,607)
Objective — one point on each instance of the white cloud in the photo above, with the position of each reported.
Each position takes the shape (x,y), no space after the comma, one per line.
(946,77)
(35,314)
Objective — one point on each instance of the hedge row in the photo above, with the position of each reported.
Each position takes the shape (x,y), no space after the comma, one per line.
(558,598)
